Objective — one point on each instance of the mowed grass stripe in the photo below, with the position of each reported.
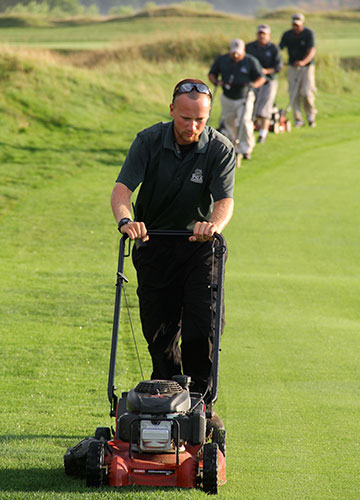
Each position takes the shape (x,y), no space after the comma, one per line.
(290,385)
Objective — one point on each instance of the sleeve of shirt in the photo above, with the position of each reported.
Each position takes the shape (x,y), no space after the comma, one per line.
(133,170)
(278,64)
(256,70)
(223,178)
(283,43)
(311,39)
(215,68)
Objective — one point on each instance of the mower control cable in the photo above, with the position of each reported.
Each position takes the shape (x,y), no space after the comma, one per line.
(133,333)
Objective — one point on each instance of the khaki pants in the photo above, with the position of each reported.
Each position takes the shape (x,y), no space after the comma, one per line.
(232,114)
(265,97)
(302,88)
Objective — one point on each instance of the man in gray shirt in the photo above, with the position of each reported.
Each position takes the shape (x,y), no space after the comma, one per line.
(300,44)
(239,75)
(268,55)
(185,170)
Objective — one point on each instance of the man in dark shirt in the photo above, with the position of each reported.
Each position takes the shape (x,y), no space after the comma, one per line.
(240,73)
(186,172)
(268,54)
(300,43)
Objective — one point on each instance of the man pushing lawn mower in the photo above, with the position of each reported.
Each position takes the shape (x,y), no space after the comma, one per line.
(167,433)
(268,54)
(240,73)
(186,172)
(300,43)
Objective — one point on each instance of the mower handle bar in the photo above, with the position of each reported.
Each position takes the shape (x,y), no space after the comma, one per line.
(121,278)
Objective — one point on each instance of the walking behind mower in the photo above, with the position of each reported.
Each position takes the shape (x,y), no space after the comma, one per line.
(163,435)
(239,122)
(294,91)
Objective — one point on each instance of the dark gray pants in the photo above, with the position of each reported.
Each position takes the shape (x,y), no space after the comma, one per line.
(176,303)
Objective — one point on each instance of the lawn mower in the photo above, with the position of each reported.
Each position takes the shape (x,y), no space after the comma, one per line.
(164,435)
(279,121)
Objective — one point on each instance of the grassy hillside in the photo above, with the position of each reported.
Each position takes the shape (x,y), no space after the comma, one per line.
(336,32)
(49,108)
(289,387)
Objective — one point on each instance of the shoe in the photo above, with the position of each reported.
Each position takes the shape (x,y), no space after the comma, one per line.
(299,123)
(261,139)
(214,422)
(215,430)
(246,156)
(312,124)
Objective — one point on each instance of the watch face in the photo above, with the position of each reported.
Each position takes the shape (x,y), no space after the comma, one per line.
(124,221)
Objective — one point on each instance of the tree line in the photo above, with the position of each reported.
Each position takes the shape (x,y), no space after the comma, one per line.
(104,7)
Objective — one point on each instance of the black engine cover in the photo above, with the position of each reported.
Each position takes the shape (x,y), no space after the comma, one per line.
(158,397)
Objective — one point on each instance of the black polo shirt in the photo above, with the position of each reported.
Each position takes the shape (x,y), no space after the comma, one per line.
(268,55)
(298,45)
(236,75)
(176,192)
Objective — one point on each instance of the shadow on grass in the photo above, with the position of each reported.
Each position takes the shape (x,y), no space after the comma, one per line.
(25,437)
(13,22)
(35,149)
(39,479)
(55,480)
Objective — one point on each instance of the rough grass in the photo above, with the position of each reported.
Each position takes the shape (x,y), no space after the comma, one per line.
(313,14)
(180,11)
(333,36)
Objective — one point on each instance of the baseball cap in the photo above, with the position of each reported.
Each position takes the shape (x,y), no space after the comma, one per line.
(237,45)
(298,18)
(264,28)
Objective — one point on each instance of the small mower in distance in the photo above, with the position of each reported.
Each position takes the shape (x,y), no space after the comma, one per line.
(279,121)
(164,436)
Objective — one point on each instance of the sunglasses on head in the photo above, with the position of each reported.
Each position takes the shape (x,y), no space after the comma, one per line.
(186,88)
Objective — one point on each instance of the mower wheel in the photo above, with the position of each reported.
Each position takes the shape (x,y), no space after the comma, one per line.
(210,468)
(103,432)
(219,437)
(95,469)
(75,458)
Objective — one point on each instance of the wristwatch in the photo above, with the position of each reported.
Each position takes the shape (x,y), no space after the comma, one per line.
(122,222)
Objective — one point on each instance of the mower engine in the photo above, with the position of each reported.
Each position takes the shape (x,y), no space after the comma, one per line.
(160,416)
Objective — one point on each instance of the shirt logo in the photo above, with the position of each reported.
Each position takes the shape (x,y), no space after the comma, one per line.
(243,69)
(197,176)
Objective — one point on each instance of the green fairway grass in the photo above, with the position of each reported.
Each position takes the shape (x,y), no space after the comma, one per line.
(290,380)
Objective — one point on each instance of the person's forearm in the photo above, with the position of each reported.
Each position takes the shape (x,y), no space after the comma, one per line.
(268,71)
(213,78)
(120,201)
(222,213)
(309,56)
(259,82)
(307,59)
